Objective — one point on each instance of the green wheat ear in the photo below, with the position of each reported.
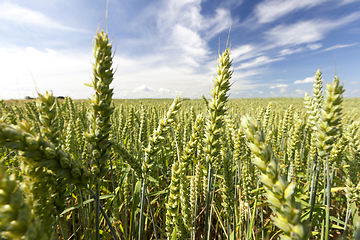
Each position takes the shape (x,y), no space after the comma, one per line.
(329,117)
(172,206)
(17,218)
(279,193)
(157,138)
(217,110)
(46,105)
(99,118)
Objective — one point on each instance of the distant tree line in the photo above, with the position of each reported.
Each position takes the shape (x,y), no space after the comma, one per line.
(28,97)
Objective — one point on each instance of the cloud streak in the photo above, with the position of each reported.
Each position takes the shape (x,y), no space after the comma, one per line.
(271,10)
(279,86)
(15,14)
(258,62)
(304,32)
(339,46)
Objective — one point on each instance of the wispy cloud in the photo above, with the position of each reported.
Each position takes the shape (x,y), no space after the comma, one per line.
(314,46)
(288,51)
(306,31)
(340,46)
(271,10)
(220,22)
(258,62)
(302,32)
(343,2)
(306,80)
(279,86)
(242,52)
(15,14)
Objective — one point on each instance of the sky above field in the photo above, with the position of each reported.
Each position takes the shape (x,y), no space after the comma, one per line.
(166,48)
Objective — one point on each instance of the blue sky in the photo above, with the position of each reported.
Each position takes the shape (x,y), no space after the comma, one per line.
(169,47)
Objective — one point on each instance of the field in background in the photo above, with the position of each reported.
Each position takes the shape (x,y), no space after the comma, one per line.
(214,168)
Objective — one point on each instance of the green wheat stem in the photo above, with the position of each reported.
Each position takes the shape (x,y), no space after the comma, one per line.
(212,205)
(151,213)
(97,209)
(142,206)
(112,230)
(206,237)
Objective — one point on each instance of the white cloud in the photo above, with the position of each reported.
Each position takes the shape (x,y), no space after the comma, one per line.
(188,14)
(354,82)
(314,46)
(343,2)
(288,51)
(279,86)
(22,16)
(66,72)
(144,91)
(306,80)
(185,31)
(260,91)
(220,22)
(271,10)
(238,53)
(63,73)
(143,88)
(340,46)
(258,62)
(306,31)
(302,32)
(193,47)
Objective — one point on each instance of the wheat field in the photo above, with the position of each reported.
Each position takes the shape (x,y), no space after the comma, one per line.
(210,168)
